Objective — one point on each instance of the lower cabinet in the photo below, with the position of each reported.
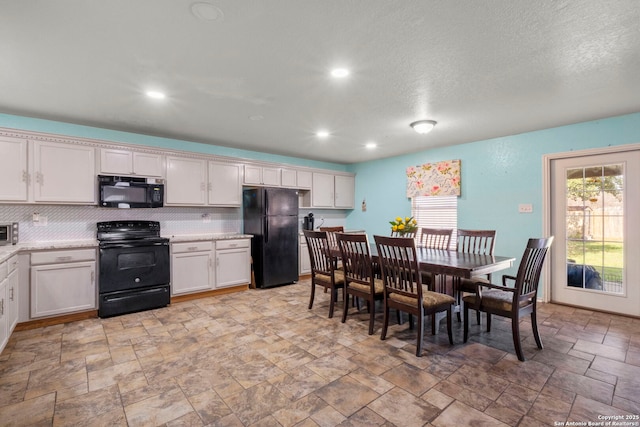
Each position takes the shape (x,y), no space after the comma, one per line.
(233,262)
(4,313)
(192,267)
(304,264)
(12,294)
(63,282)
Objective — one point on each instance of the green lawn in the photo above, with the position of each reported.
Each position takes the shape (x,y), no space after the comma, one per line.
(609,265)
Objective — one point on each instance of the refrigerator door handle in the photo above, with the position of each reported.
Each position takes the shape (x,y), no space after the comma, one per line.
(266,229)
(266,202)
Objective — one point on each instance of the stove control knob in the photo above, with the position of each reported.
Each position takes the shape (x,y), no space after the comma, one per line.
(137,280)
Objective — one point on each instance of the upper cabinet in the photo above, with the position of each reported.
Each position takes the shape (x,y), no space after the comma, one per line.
(186,181)
(225,185)
(126,162)
(14,169)
(258,175)
(46,172)
(332,191)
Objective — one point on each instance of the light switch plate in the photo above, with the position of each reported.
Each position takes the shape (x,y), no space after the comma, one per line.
(525,208)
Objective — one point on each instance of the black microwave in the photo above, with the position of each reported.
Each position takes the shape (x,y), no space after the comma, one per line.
(130,192)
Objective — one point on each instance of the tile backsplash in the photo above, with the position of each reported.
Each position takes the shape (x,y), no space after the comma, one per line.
(79,222)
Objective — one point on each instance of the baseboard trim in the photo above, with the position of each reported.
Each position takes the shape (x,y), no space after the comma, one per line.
(50,321)
(211,293)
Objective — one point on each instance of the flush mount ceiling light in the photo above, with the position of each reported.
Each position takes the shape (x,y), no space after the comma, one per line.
(155,94)
(339,73)
(322,134)
(206,12)
(371,145)
(423,126)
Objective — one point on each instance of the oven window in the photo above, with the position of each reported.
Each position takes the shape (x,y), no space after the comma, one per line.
(4,234)
(136,260)
(124,194)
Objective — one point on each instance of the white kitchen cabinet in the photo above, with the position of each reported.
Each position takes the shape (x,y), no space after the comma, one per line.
(186,181)
(63,282)
(14,169)
(304,179)
(258,175)
(322,190)
(63,173)
(289,178)
(332,191)
(192,267)
(128,162)
(304,265)
(225,185)
(12,294)
(4,315)
(233,262)
(344,191)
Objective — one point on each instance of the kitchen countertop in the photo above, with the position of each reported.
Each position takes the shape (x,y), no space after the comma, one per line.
(8,251)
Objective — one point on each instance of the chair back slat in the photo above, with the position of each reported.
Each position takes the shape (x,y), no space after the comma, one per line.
(530,268)
(331,235)
(435,238)
(399,266)
(476,241)
(356,258)
(319,252)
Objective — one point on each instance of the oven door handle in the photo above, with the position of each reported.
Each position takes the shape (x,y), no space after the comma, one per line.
(131,245)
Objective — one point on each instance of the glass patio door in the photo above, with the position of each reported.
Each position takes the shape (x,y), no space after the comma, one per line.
(595,214)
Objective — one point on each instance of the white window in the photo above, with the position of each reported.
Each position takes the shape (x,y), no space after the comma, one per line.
(437,212)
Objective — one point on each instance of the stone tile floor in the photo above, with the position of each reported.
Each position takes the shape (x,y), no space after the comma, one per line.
(261,358)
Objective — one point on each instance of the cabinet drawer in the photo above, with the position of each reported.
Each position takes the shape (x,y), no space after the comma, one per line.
(232,244)
(12,264)
(179,248)
(3,271)
(57,257)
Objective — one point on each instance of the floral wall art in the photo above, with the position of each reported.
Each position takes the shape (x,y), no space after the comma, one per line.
(434,179)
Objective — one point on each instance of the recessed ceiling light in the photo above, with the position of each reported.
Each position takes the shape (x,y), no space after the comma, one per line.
(322,134)
(371,145)
(155,94)
(256,117)
(339,73)
(206,11)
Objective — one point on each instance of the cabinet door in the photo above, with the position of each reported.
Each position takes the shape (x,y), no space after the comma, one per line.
(288,178)
(191,272)
(271,176)
(12,301)
(322,190)
(62,288)
(4,323)
(64,173)
(303,179)
(225,187)
(344,191)
(252,174)
(147,164)
(232,267)
(116,161)
(186,180)
(305,263)
(14,174)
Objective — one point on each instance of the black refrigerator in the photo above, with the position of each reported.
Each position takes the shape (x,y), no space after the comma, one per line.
(271,216)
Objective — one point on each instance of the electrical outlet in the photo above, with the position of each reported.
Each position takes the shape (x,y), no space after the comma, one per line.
(525,208)
(42,221)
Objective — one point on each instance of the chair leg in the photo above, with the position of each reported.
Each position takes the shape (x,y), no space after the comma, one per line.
(433,323)
(478,316)
(346,306)
(515,329)
(488,322)
(466,321)
(332,302)
(420,321)
(449,325)
(410,320)
(534,324)
(372,315)
(313,292)
(385,322)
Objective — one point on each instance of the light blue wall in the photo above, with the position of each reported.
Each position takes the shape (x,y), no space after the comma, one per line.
(497,175)
(60,128)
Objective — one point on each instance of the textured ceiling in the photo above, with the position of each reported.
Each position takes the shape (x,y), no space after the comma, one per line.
(481,69)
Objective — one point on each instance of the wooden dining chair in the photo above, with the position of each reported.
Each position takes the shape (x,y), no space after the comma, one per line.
(435,238)
(512,302)
(473,242)
(403,288)
(331,235)
(324,271)
(359,277)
